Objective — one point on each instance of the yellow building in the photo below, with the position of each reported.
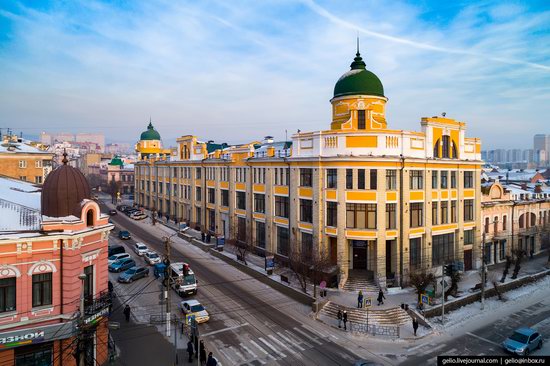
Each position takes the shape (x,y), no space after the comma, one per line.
(380,203)
(24,160)
(149,146)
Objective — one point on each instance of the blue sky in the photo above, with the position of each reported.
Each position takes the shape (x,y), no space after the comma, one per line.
(239,70)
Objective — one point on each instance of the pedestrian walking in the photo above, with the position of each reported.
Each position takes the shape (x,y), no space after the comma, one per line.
(211,360)
(203,236)
(208,237)
(126,312)
(190,351)
(339,317)
(196,339)
(381,297)
(202,353)
(415,325)
(360,299)
(345,319)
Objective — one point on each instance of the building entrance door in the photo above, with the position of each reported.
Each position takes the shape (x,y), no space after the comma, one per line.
(359,254)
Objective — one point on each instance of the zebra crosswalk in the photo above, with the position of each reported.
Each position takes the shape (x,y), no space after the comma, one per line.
(273,347)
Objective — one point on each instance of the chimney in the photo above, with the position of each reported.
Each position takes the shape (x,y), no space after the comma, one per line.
(268,139)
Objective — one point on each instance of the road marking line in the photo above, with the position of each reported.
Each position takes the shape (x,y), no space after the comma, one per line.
(295,344)
(281,343)
(252,353)
(226,355)
(261,349)
(308,336)
(297,339)
(270,346)
(240,355)
(417,347)
(315,331)
(223,330)
(483,339)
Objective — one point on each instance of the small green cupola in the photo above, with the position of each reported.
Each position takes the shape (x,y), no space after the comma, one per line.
(151,133)
(116,161)
(358,80)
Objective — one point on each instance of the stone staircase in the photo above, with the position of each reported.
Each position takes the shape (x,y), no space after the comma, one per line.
(387,317)
(356,283)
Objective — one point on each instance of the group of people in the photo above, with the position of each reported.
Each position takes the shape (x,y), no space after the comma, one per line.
(380,298)
(201,354)
(206,237)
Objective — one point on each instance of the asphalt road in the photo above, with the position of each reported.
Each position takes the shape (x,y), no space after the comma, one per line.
(251,324)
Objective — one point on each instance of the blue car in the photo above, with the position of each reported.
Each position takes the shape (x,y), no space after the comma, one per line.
(134,273)
(523,341)
(124,235)
(122,265)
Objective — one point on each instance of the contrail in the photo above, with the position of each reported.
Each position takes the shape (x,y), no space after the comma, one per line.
(344,23)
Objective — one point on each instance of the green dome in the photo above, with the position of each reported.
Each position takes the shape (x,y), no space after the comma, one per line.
(358,80)
(150,134)
(117,161)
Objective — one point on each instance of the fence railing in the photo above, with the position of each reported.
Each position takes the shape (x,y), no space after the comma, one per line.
(373,329)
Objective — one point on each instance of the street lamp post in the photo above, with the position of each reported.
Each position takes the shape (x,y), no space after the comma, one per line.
(82,355)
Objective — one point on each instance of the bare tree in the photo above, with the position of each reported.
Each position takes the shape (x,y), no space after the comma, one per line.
(455,279)
(308,267)
(494,280)
(243,247)
(506,268)
(519,253)
(420,281)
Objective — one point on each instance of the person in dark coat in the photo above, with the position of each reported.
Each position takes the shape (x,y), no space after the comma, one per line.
(190,350)
(202,353)
(196,340)
(211,360)
(360,299)
(415,325)
(339,317)
(381,297)
(126,312)
(345,319)
(203,236)
(208,237)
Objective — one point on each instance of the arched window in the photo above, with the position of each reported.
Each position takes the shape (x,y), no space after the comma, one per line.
(455,155)
(90,218)
(533,220)
(522,221)
(436,149)
(445,147)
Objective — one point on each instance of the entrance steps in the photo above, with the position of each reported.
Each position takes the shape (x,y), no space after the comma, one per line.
(360,283)
(394,316)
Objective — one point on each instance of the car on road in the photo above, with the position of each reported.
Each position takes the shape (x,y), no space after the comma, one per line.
(130,211)
(112,212)
(116,257)
(140,249)
(193,307)
(122,265)
(115,249)
(151,257)
(133,273)
(523,341)
(121,207)
(138,215)
(124,235)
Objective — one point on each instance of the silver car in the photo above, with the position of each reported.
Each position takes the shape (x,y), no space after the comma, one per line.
(151,257)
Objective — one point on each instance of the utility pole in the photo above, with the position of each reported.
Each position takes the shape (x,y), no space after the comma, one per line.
(483,268)
(443,294)
(82,355)
(167,291)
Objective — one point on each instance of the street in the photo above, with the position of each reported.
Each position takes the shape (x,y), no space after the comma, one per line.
(250,322)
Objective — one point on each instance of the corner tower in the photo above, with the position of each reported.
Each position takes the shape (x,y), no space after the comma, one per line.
(358,102)
(149,145)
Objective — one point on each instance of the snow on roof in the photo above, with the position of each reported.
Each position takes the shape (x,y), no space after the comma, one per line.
(20,147)
(19,205)
(20,192)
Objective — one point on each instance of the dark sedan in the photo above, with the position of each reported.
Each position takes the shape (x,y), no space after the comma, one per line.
(132,274)
(122,265)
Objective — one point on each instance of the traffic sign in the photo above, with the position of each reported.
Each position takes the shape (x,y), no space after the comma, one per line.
(368,302)
(323,285)
(425,299)
(189,319)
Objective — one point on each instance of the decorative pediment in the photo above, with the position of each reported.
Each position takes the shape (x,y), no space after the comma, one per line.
(7,270)
(42,267)
(90,256)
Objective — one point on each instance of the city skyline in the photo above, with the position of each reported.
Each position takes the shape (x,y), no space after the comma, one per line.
(195,67)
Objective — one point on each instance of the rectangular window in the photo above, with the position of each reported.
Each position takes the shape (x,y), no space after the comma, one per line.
(259,202)
(468,179)
(435,205)
(281,206)
(332,214)
(391,179)
(361,179)
(282,241)
(306,210)
(468,237)
(38,179)
(40,354)
(416,179)
(225,197)
(415,245)
(211,219)
(198,215)
(89,284)
(361,216)
(453,179)
(444,212)
(505,221)
(306,177)
(241,200)
(434,179)
(417,214)
(307,247)
(361,119)
(7,294)
(332,178)
(371,216)
(41,289)
(442,248)
(373,179)
(198,194)
(241,229)
(22,163)
(453,212)
(502,250)
(260,234)
(349,178)
(211,195)
(197,173)
(444,174)
(391,213)
(468,210)
(38,163)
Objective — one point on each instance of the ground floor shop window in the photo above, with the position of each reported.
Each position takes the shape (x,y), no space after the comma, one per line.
(502,250)
(260,234)
(282,241)
(415,245)
(442,248)
(34,355)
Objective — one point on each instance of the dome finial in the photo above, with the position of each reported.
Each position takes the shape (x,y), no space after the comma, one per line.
(357,54)
(65,161)
(150,127)
(358,62)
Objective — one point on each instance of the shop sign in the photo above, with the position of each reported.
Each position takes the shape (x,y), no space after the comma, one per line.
(23,337)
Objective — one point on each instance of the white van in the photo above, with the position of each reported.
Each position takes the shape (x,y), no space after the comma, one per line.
(182,279)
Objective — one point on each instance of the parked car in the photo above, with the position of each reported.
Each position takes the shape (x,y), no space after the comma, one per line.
(116,257)
(122,265)
(124,235)
(193,307)
(138,215)
(132,274)
(523,341)
(121,207)
(140,249)
(151,257)
(116,249)
(112,212)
